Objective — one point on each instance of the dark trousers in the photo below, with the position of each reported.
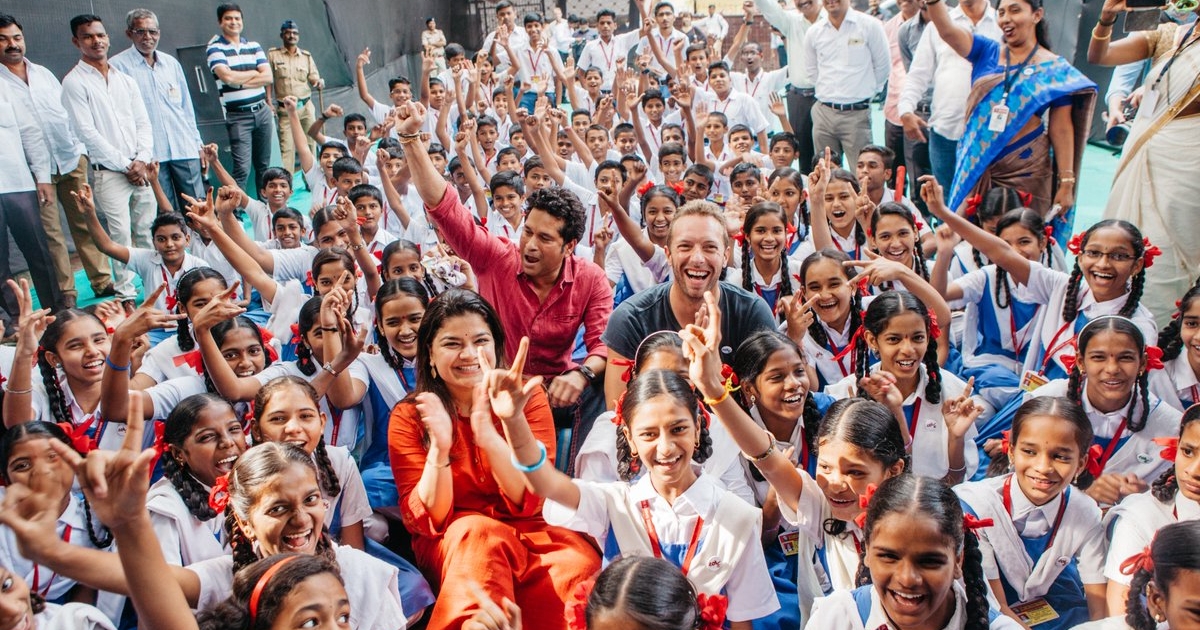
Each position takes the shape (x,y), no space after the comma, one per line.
(182,177)
(800,103)
(250,137)
(20,213)
(579,418)
(893,138)
(916,159)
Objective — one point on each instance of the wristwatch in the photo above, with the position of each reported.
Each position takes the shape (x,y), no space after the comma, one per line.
(586,372)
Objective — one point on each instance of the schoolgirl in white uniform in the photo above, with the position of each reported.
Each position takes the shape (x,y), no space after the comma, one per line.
(624,264)
(177,355)
(763,244)
(837,325)
(1178,384)
(1046,547)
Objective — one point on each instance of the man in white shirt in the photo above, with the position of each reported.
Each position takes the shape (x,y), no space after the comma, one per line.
(716,28)
(935,62)
(846,54)
(794,25)
(34,89)
(759,84)
(738,107)
(107,110)
(24,185)
(537,64)
(665,35)
(506,20)
(608,51)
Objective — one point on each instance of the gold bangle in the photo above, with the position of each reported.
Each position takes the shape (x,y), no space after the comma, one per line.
(1066,180)
(712,402)
(1100,38)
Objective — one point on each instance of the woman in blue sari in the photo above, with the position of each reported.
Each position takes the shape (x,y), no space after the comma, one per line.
(1009,139)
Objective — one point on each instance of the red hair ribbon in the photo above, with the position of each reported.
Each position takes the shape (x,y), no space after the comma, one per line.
(1049,232)
(1026,198)
(917,223)
(849,344)
(647,185)
(261,585)
(935,331)
(677,187)
(739,238)
(790,229)
(378,254)
(160,443)
(218,497)
(267,338)
(296,333)
(1005,444)
(973,523)
(864,500)
(1149,253)
(618,415)
(1178,306)
(1068,361)
(171,302)
(191,358)
(973,205)
(712,611)
(576,611)
(1141,561)
(864,286)
(1075,245)
(110,330)
(727,375)
(1170,447)
(1095,467)
(1154,356)
(627,373)
(79,437)
(308,279)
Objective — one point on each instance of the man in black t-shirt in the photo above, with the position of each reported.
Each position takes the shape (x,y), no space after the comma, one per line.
(698,249)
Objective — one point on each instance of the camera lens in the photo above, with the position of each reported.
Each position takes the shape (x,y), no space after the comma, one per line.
(1117,134)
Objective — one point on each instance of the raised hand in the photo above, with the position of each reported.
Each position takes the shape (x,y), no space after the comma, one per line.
(87,203)
(410,117)
(30,324)
(798,315)
(701,347)
(289,103)
(147,317)
(364,57)
(933,195)
(877,270)
(881,387)
(777,106)
(227,200)
(219,309)
(505,390)
(960,413)
(201,212)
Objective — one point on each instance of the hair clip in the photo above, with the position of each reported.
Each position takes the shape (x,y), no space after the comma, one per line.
(864,501)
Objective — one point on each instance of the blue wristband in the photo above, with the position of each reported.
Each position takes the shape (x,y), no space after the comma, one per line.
(536,465)
(116,367)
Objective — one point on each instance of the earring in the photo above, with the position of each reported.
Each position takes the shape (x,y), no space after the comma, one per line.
(752,400)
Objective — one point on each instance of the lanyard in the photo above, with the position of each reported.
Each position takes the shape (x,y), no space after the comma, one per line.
(1012,326)
(1010,80)
(1195,393)
(653,534)
(66,536)
(653,136)
(1052,348)
(1187,41)
(403,380)
(1062,509)
(724,105)
(534,61)
(914,422)
(608,55)
(757,83)
(1112,445)
(854,255)
(337,424)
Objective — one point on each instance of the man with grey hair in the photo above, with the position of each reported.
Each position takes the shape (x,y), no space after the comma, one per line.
(168,103)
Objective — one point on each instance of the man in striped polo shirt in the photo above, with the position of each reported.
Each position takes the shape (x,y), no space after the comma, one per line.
(242,72)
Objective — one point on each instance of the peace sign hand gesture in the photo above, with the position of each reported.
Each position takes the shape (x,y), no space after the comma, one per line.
(505,390)
(798,315)
(960,413)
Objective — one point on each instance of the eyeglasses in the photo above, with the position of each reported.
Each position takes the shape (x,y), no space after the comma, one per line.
(142,32)
(1117,257)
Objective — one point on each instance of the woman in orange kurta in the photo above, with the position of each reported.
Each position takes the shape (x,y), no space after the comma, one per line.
(471,518)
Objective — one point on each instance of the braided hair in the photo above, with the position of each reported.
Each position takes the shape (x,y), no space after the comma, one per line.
(870,427)
(335,255)
(882,309)
(395,289)
(399,246)
(234,612)
(748,364)
(183,292)
(256,468)
(177,428)
(793,177)
(660,190)
(912,496)
(756,212)
(1029,220)
(643,387)
(1167,484)
(222,330)
(310,314)
(99,536)
(996,203)
(296,386)
(1141,389)
(1171,338)
(1137,284)
(817,329)
(60,409)
(894,209)
(1175,550)
(1054,407)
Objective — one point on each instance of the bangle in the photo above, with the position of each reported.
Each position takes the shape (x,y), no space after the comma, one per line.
(1108,24)
(1066,180)
(328,367)
(116,367)
(409,136)
(17,392)
(731,385)
(437,465)
(767,453)
(534,467)
(357,247)
(957,470)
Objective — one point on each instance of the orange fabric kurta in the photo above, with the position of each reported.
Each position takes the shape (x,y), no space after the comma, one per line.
(505,547)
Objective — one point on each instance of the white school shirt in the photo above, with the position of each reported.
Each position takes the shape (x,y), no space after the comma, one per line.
(758,283)
(607,56)
(536,68)
(740,108)
(1080,536)
(345,428)
(109,435)
(260,218)
(1132,523)
(597,458)
(622,262)
(740,572)
(184,539)
(841,552)
(517,37)
(353,499)
(665,44)
(166,360)
(148,265)
(760,89)
(1139,454)
(979,292)
(1176,382)
(1049,288)
(373,587)
(72,616)
(839,611)
(822,358)
(70,527)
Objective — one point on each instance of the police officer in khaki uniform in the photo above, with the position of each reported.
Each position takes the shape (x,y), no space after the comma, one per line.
(295,75)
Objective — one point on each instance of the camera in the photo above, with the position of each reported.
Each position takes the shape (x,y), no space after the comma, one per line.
(1118,134)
